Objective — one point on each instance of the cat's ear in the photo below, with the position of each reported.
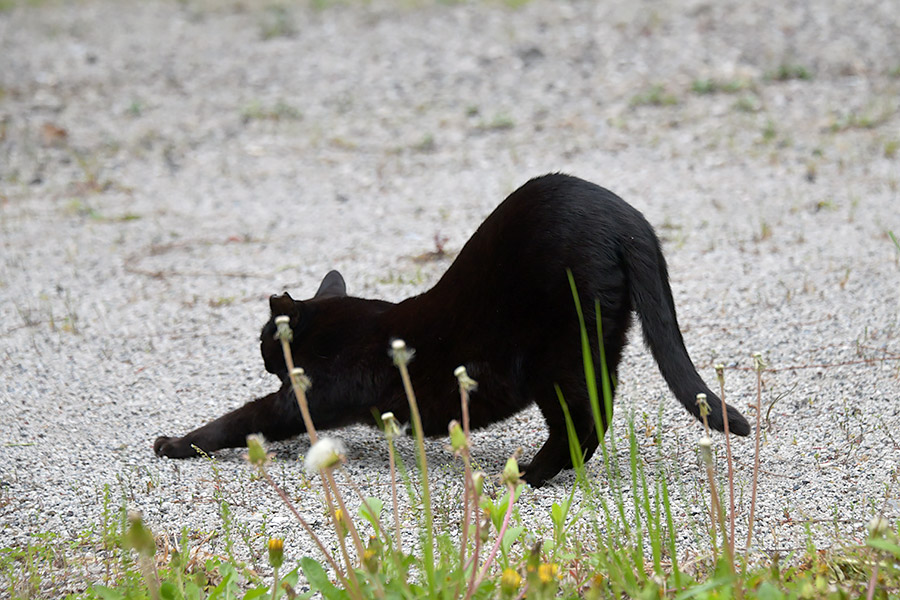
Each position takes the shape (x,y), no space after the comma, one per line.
(283,305)
(332,286)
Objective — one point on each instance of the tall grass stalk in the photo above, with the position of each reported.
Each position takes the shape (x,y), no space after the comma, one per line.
(608,451)
(465,385)
(402,355)
(720,375)
(706,457)
(391,431)
(621,552)
(670,524)
(758,366)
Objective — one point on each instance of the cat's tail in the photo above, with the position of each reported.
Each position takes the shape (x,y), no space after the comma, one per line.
(651,297)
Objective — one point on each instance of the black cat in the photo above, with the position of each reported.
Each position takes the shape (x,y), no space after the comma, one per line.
(504,309)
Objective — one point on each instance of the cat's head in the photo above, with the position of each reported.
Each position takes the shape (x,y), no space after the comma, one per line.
(300,313)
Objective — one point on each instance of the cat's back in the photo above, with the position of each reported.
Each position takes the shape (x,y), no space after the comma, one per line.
(559,203)
(520,254)
(552,223)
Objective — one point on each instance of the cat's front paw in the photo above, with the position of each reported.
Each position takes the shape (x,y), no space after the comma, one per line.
(173,447)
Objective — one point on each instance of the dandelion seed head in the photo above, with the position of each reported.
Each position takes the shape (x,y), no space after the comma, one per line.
(324,454)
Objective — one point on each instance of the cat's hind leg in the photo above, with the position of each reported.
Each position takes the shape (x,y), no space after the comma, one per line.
(555,455)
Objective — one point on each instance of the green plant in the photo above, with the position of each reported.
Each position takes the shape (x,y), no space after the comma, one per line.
(788,71)
(280,111)
(715,86)
(656,95)
(769,132)
(500,122)
(869,118)
(277,22)
(748,103)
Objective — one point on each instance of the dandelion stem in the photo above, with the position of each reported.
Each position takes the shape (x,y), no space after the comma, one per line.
(402,356)
(469,487)
(720,375)
(284,334)
(706,456)
(394,494)
(758,366)
(473,560)
(274,582)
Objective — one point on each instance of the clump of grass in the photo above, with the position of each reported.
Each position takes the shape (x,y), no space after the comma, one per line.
(277,22)
(789,71)
(500,122)
(748,103)
(769,132)
(869,118)
(715,86)
(656,95)
(426,144)
(891,147)
(280,111)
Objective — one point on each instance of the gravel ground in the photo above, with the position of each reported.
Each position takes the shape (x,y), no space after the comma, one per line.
(166,166)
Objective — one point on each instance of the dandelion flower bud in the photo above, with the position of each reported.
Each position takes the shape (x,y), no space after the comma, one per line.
(303,381)
(391,425)
(511,472)
(703,404)
(340,522)
(283,325)
(256,450)
(276,552)
(509,582)
(478,483)
(758,362)
(139,537)
(324,454)
(372,554)
(458,440)
(720,371)
(400,353)
(547,572)
(465,382)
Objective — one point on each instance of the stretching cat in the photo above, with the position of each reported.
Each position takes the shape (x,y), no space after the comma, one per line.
(504,309)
